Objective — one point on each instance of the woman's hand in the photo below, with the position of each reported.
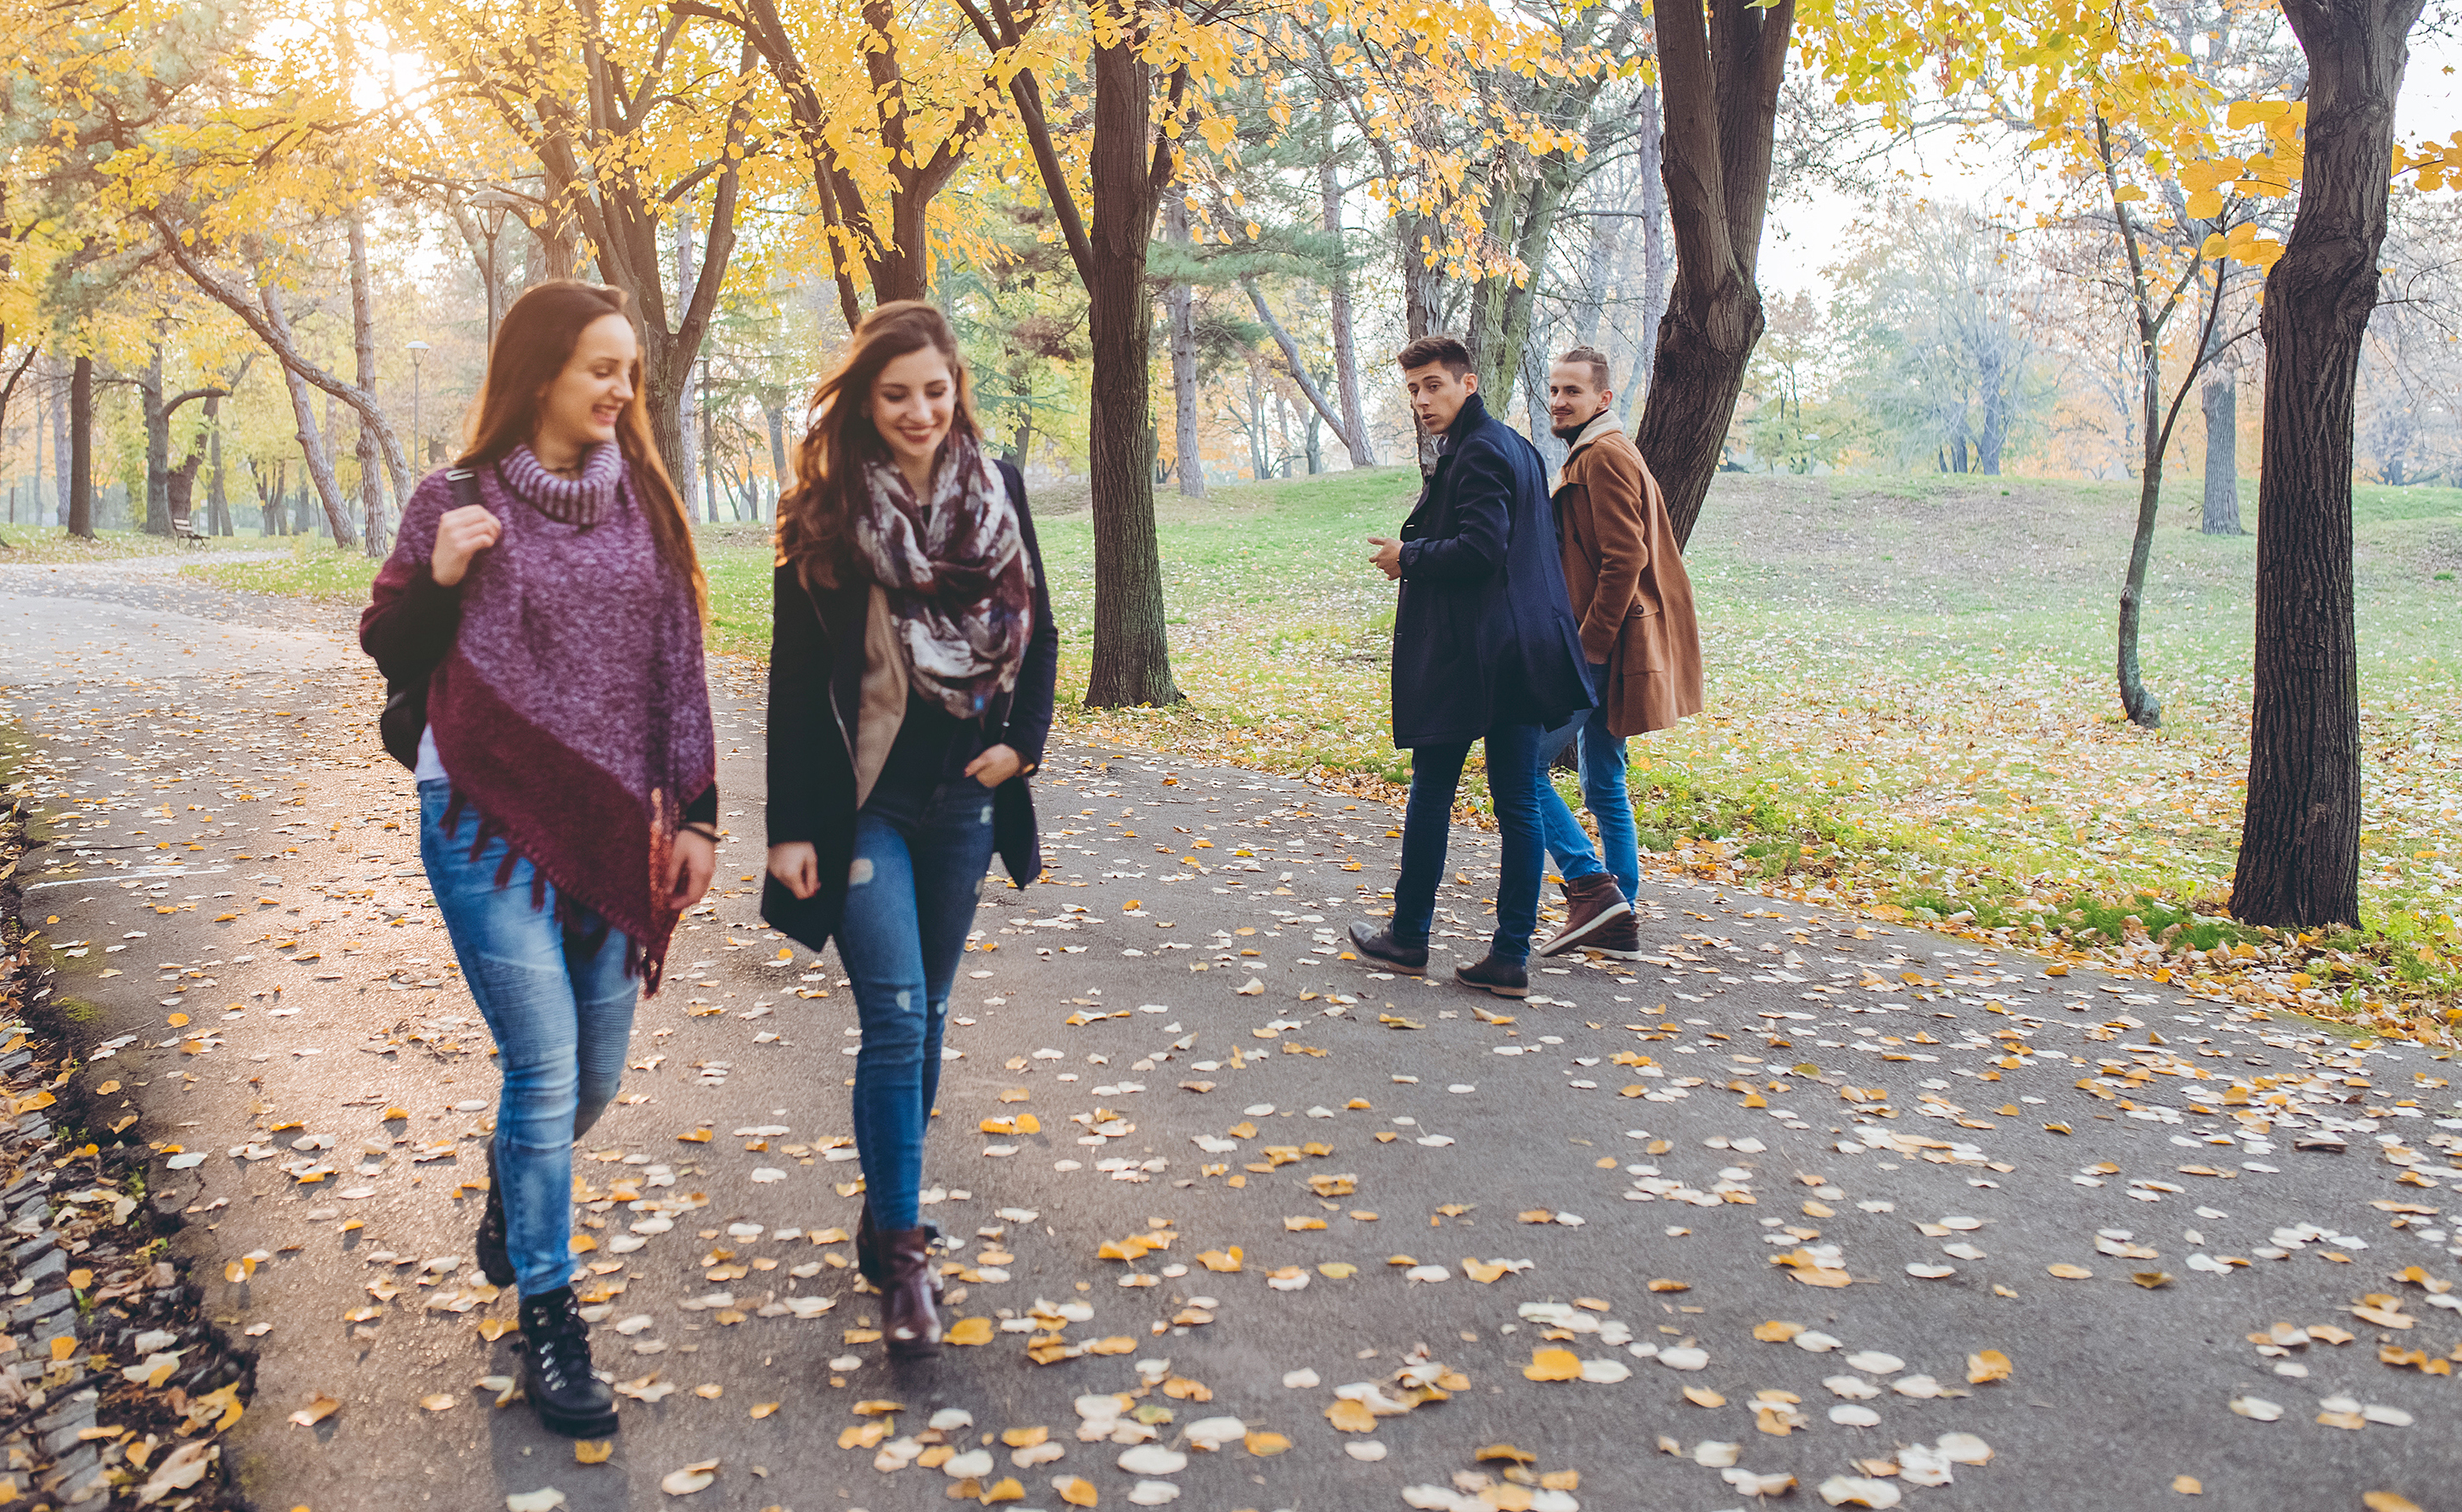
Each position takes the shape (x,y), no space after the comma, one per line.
(997,765)
(690,866)
(797,867)
(460,535)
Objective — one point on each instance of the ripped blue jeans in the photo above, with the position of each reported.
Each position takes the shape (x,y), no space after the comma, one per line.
(921,846)
(560,1006)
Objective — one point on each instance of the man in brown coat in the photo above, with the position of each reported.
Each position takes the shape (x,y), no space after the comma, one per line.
(1635,605)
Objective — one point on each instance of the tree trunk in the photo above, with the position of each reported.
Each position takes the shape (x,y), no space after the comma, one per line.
(1649,159)
(1502,307)
(363,353)
(62,472)
(1132,659)
(158,444)
(179,487)
(1721,118)
(1179,302)
(312,451)
(80,450)
(2220,403)
(218,516)
(1534,387)
(688,471)
(699,425)
(1338,313)
(776,415)
(2300,841)
(1414,234)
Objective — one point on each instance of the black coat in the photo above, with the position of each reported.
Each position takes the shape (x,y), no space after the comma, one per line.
(1484,634)
(815,697)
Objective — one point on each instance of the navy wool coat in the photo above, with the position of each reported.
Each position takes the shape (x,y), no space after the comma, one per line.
(1484,633)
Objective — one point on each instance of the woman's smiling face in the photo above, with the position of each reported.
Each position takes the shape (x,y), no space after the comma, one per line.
(580,408)
(912,402)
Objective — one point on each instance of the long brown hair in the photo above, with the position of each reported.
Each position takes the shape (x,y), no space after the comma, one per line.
(813,519)
(534,343)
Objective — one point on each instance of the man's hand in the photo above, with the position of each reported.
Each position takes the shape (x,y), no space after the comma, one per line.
(691,865)
(997,765)
(1389,555)
(460,535)
(797,867)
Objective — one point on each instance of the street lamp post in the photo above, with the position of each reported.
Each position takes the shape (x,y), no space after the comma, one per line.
(418,444)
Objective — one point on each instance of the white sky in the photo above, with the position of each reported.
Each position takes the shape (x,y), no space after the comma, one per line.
(1805,235)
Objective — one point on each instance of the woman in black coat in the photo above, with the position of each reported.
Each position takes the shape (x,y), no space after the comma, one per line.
(910,693)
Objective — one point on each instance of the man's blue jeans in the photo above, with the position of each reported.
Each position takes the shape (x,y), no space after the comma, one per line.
(922,847)
(559,1002)
(1514,775)
(1605,792)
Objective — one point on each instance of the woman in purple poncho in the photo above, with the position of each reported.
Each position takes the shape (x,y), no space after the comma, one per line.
(539,627)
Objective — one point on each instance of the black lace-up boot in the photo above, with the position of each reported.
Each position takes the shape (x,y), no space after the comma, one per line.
(555,1369)
(493,1262)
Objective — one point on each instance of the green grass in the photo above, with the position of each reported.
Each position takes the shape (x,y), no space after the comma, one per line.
(51,546)
(311,569)
(1910,684)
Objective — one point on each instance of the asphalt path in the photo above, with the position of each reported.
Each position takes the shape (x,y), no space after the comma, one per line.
(1802,1196)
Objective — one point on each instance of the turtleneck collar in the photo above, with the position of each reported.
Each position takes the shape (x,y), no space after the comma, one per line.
(584,500)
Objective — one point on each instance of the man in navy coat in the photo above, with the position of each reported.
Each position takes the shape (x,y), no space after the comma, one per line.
(1484,648)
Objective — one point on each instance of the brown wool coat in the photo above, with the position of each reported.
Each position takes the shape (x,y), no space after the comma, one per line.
(1627,581)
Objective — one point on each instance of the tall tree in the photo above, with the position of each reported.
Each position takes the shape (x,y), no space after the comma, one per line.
(882,144)
(1180,310)
(1130,158)
(2298,862)
(629,113)
(82,447)
(1720,77)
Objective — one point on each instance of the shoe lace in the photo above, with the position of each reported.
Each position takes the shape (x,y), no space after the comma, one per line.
(560,1345)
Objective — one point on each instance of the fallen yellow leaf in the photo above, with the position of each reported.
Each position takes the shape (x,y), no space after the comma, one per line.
(1553,1365)
(1987,1365)
(1353,1417)
(969,1332)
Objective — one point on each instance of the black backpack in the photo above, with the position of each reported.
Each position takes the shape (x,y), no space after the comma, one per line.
(404,719)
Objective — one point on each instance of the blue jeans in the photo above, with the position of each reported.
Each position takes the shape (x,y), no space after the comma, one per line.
(1603,792)
(1514,774)
(560,1006)
(922,847)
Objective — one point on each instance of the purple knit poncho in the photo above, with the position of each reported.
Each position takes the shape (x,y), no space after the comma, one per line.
(572,712)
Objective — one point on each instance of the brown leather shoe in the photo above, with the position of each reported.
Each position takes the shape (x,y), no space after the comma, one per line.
(913,1326)
(1506,979)
(1591,904)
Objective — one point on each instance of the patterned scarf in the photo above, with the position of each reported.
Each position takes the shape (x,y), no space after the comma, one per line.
(572,712)
(958,578)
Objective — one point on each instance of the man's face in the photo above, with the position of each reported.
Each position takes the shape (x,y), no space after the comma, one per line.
(1437,394)
(1575,397)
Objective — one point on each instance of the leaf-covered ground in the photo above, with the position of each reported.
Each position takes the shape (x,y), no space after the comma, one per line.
(1911,702)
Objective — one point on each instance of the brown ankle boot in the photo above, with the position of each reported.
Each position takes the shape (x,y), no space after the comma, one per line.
(867,1254)
(1591,903)
(913,1326)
